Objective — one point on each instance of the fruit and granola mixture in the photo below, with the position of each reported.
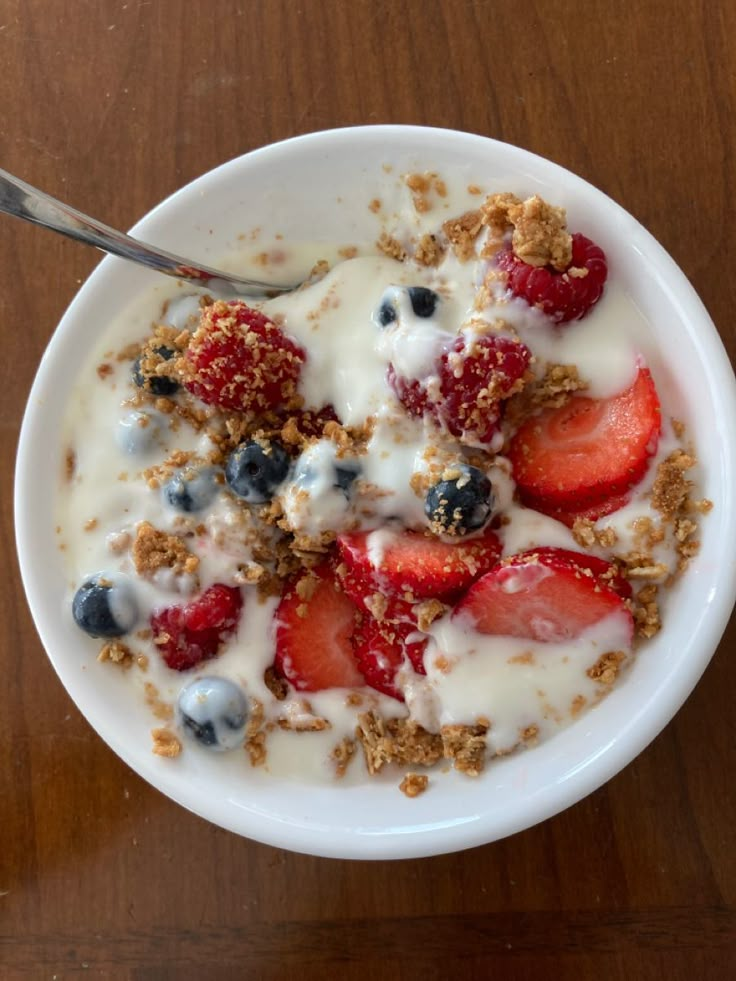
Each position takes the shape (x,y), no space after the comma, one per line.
(424,508)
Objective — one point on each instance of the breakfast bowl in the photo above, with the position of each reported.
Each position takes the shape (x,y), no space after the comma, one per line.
(274,213)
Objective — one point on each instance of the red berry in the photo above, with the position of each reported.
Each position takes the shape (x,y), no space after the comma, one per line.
(381,650)
(370,600)
(591,513)
(239,360)
(315,623)
(411,392)
(604,572)
(187,635)
(422,567)
(563,296)
(588,451)
(540,597)
(475,376)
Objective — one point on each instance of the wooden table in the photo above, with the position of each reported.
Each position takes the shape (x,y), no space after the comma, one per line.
(112,105)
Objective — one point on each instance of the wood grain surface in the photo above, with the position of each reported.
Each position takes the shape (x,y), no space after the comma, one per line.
(112,105)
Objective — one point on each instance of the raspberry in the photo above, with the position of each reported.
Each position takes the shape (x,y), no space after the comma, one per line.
(411,392)
(237,359)
(474,378)
(187,635)
(563,296)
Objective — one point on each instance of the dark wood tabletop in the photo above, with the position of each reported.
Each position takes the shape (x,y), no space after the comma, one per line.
(113,104)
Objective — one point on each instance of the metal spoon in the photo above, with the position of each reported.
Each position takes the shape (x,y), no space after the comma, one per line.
(23,201)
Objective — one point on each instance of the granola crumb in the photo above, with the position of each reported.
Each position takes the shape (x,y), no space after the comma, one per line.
(529,736)
(466,746)
(160,709)
(645,610)
(526,657)
(587,535)
(342,755)
(91,524)
(540,236)
(70,464)
(104,370)
(556,387)
(428,611)
(153,550)
(391,247)
(395,741)
(375,205)
(255,735)
(671,488)
(577,705)
(277,685)
(414,784)
(462,232)
(421,187)
(429,251)
(165,743)
(117,653)
(607,667)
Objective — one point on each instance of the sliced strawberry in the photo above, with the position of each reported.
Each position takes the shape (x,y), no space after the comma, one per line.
(588,450)
(605,572)
(371,601)
(381,650)
(592,513)
(187,635)
(543,598)
(413,563)
(315,623)
(237,359)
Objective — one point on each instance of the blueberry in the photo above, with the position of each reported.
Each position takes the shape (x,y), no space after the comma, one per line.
(214,712)
(423,301)
(191,490)
(255,470)
(345,476)
(154,383)
(386,313)
(103,608)
(136,432)
(461,503)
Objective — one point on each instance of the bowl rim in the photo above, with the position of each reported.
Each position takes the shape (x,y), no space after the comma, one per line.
(610,758)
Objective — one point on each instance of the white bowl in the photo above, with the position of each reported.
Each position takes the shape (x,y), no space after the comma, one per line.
(293,187)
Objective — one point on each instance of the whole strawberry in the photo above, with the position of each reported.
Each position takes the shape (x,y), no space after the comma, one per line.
(238,359)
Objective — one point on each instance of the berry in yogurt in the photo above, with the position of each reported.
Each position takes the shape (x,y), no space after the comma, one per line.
(214,712)
(102,608)
(187,635)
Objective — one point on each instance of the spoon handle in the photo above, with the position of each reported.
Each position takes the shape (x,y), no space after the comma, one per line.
(23,201)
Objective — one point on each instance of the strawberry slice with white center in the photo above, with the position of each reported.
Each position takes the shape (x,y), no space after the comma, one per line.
(544,597)
(315,623)
(415,565)
(588,451)
(604,572)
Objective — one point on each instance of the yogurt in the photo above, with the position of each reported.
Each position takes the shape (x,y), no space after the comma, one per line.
(125,449)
